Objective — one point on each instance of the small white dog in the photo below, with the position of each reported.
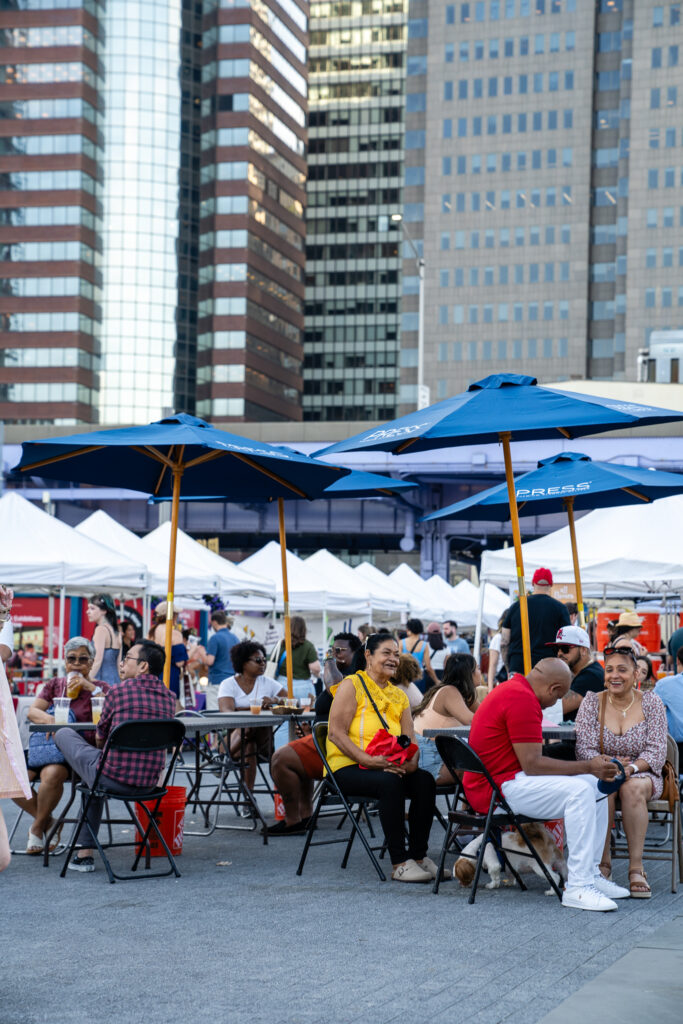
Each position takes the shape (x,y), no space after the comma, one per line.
(513,844)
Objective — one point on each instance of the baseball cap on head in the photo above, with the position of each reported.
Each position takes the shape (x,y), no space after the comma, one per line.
(434,627)
(570,636)
(542,578)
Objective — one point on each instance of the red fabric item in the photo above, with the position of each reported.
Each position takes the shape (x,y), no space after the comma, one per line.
(305,750)
(542,576)
(510,714)
(384,744)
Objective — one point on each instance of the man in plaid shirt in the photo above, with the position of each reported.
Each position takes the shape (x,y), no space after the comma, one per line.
(141,694)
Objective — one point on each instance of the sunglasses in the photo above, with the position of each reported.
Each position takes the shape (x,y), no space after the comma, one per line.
(260,660)
(564,648)
(78,659)
(628,652)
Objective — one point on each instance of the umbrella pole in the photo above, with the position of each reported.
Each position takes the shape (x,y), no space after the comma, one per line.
(285,593)
(60,640)
(519,560)
(175,505)
(569,505)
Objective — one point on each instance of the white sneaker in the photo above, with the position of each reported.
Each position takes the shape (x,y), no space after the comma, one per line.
(586,897)
(410,871)
(609,888)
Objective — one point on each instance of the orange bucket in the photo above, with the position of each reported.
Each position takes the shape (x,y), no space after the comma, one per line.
(170,819)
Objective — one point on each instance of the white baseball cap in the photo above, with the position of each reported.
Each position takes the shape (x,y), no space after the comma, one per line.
(570,636)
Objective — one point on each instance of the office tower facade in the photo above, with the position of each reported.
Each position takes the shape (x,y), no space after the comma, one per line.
(252,248)
(50,211)
(537,174)
(152,209)
(353,268)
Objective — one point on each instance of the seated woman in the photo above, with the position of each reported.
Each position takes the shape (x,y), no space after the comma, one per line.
(407,672)
(237,692)
(79,655)
(353,723)
(634,731)
(453,702)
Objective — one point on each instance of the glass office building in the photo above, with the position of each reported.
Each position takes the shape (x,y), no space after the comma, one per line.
(542,168)
(353,263)
(127,127)
(50,211)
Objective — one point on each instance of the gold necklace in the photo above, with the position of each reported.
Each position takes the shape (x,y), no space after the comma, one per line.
(623,713)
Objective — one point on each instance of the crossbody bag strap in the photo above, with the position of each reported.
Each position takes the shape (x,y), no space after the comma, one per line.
(416,644)
(601,698)
(369,695)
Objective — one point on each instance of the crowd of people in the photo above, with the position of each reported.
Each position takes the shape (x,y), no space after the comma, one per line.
(404,683)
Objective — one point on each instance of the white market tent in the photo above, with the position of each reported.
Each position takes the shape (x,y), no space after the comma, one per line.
(461,602)
(423,602)
(41,551)
(188,579)
(630,550)
(220,576)
(308,589)
(365,591)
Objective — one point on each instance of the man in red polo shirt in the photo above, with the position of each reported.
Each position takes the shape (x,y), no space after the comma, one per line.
(506,733)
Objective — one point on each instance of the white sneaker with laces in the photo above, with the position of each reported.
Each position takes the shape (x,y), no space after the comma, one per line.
(587,897)
(609,888)
(410,871)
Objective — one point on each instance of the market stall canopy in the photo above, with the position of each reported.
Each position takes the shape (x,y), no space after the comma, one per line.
(330,568)
(423,603)
(628,551)
(461,602)
(102,528)
(221,576)
(41,551)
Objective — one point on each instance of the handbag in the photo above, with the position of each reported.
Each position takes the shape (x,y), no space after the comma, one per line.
(397,749)
(42,748)
(272,669)
(670,790)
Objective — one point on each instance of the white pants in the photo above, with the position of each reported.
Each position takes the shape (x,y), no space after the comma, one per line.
(574,798)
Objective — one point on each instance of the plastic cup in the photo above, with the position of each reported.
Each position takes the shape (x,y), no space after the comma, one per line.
(291,702)
(96,705)
(73,684)
(255,706)
(62,705)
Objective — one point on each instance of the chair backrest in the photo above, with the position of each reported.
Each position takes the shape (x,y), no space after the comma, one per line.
(458,756)
(319,733)
(672,753)
(145,735)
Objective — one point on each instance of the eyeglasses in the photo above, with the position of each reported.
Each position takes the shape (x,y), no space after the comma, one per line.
(340,650)
(78,659)
(129,658)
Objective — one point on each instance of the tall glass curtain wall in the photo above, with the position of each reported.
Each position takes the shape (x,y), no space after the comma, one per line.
(356,74)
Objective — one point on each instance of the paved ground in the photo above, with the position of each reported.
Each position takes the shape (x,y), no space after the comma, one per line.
(240,938)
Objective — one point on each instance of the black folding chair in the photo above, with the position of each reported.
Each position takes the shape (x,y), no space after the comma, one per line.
(330,791)
(458,757)
(138,736)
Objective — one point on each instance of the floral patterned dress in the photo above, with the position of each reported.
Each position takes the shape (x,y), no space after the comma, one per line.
(646,740)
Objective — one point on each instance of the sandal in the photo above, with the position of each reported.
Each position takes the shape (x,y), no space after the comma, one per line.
(640,890)
(606,869)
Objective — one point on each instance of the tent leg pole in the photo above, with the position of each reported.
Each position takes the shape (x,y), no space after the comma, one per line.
(519,560)
(175,506)
(477,629)
(285,593)
(569,505)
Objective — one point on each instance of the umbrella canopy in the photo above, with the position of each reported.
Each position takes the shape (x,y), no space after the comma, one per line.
(156,458)
(590,484)
(501,407)
(501,403)
(567,482)
(102,528)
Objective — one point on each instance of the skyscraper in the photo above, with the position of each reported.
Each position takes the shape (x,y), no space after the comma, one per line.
(543,158)
(353,265)
(125,292)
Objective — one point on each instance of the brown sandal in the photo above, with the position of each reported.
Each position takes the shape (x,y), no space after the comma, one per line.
(606,869)
(639,890)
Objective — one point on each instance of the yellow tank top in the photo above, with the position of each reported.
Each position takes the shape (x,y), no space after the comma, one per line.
(391,703)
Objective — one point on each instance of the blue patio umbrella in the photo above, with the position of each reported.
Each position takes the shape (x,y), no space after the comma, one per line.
(568,482)
(503,407)
(181,450)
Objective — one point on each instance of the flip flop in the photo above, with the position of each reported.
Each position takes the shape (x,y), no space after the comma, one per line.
(643,890)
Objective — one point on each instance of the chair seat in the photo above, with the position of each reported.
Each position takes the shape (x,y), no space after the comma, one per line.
(133,794)
(658,805)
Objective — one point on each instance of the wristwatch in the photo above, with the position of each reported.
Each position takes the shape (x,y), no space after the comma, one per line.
(635,767)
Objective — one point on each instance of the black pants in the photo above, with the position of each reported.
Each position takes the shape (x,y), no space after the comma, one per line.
(391,792)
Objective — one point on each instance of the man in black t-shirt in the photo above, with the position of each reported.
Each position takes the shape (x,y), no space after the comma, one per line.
(546,616)
(572,645)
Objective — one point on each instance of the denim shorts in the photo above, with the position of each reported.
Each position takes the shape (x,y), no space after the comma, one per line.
(430,759)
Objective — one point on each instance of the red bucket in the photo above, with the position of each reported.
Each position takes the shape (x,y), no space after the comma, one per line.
(170,819)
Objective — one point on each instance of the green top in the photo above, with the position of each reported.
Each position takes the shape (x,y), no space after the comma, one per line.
(302,656)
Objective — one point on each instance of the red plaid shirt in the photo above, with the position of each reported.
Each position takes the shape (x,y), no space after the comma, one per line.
(143,697)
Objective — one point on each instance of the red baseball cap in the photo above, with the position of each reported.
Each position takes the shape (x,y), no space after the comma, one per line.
(542,577)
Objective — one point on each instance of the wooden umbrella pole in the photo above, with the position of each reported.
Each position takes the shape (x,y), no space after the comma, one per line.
(285,593)
(175,506)
(519,560)
(569,505)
